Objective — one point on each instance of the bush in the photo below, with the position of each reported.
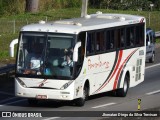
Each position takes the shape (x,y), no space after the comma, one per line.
(9,7)
(12,7)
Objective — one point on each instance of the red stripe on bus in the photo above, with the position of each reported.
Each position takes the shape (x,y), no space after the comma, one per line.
(120,70)
(116,68)
(111,72)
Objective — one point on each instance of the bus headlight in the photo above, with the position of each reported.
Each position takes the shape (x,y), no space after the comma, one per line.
(21,82)
(66,85)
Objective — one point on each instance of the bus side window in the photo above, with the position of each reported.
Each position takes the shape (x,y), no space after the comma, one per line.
(122,38)
(140,35)
(137,36)
(110,44)
(82,39)
(100,41)
(117,38)
(130,37)
(108,40)
(90,43)
(81,53)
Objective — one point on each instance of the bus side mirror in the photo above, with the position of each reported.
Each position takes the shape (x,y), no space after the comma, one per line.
(12,44)
(75,52)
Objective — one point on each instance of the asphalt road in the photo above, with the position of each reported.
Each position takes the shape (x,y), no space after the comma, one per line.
(148,92)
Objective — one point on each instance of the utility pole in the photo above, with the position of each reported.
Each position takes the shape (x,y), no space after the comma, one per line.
(84,8)
(32,6)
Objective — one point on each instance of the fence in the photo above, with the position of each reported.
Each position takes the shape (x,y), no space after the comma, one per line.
(14,26)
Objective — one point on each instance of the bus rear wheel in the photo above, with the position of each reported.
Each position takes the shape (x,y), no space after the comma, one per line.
(81,101)
(122,92)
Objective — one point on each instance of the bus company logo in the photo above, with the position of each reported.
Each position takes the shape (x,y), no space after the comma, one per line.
(42,83)
(98,64)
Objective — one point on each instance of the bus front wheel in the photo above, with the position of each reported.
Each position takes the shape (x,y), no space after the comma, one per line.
(81,101)
(122,92)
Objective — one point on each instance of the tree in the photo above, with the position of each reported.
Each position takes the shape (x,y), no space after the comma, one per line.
(32,6)
(157,4)
(95,3)
(106,3)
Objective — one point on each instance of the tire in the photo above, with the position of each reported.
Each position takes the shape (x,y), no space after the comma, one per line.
(81,101)
(151,60)
(122,92)
(32,102)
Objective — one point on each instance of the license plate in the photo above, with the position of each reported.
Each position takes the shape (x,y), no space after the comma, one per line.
(41,97)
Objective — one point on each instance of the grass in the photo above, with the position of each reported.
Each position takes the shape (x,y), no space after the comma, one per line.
(6,28)
(5,40)
(158,40)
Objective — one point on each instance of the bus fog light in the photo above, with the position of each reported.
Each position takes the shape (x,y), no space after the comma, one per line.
(64,96)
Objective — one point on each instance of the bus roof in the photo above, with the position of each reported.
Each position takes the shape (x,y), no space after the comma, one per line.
(90,22)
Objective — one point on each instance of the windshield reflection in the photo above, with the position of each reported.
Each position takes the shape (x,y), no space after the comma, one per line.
(31,53)
(59,55)
(45,55)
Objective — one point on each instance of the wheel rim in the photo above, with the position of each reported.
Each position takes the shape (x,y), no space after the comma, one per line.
(125,86)
(84,93)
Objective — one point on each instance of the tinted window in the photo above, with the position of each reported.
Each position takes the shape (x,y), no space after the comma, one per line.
(100,41)
(90,43)
(115,38)
(120,38)
(130,36)
(110,37)
(139,35)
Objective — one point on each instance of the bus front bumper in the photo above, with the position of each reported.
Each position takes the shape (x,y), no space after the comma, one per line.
(39,93)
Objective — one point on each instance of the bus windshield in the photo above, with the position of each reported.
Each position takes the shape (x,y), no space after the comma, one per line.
(45,54)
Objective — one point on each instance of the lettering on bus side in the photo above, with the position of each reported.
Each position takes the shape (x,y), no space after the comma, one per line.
(98,64)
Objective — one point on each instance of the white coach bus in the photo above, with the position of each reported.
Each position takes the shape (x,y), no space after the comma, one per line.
(75,58)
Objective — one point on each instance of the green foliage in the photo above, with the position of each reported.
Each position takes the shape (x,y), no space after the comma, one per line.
(125,4)
(157,4)
(13,7)
(9,7)
(74,3)
(60,3)
(158,40)
(4,48)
